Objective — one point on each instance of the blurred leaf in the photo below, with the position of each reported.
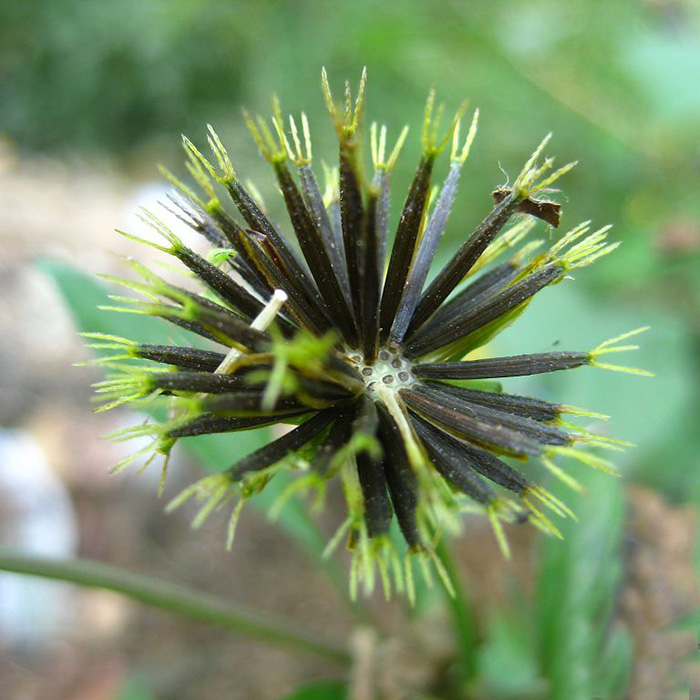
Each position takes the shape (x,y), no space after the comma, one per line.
(665,64)
(577,586)
(320,690)
(83,294)
(671,466)
(688,622)
(143,67)
(616,666)
(135,688)
(509,644)
(463,620)
(643,410)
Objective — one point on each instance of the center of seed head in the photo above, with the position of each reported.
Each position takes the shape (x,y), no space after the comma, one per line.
(389,369)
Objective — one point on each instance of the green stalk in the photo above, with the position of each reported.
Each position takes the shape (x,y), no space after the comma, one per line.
(174,598)
(462,619)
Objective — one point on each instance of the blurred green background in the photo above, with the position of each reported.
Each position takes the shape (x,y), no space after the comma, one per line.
(108,87)
(617,82)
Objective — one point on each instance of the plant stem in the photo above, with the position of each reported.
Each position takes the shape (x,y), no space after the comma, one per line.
(181,600)
(462,618)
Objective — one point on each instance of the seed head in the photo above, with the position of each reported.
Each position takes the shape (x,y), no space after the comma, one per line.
(343,340)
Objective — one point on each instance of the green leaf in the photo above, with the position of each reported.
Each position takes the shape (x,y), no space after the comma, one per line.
(509,644)
(83,294)
(646,411)
(463,620)
(135,688)
(578,581)
(616,666)
(664,64)
(320,690)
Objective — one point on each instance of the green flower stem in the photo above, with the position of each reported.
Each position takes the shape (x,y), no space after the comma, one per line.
(198,605)
(462,618)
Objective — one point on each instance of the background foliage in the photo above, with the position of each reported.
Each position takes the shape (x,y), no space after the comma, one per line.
(618,82)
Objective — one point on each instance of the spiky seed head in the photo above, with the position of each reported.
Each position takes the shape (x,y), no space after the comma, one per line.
(370,367)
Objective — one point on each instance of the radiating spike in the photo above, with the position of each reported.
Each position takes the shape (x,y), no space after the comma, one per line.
(350,187)
(510,238)
(219,282)
(405,244)
(247,404)
(207,382)
(400,478)
(377,507)
(275,451)
(471,296)
(493,367)
(337,437)
(226,326)
(314,249)
(462,262)
(261,322)
(369,299)
(383,168)
(450,460)
(492,412)
(525,406)
(495,307)
(431,238)
(505,440)
(507,202)
(303,302)
(208,424)
(257,221)
(333,243)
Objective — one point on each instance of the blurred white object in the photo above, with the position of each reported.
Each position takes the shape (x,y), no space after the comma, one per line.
(36,518)
(152,196)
